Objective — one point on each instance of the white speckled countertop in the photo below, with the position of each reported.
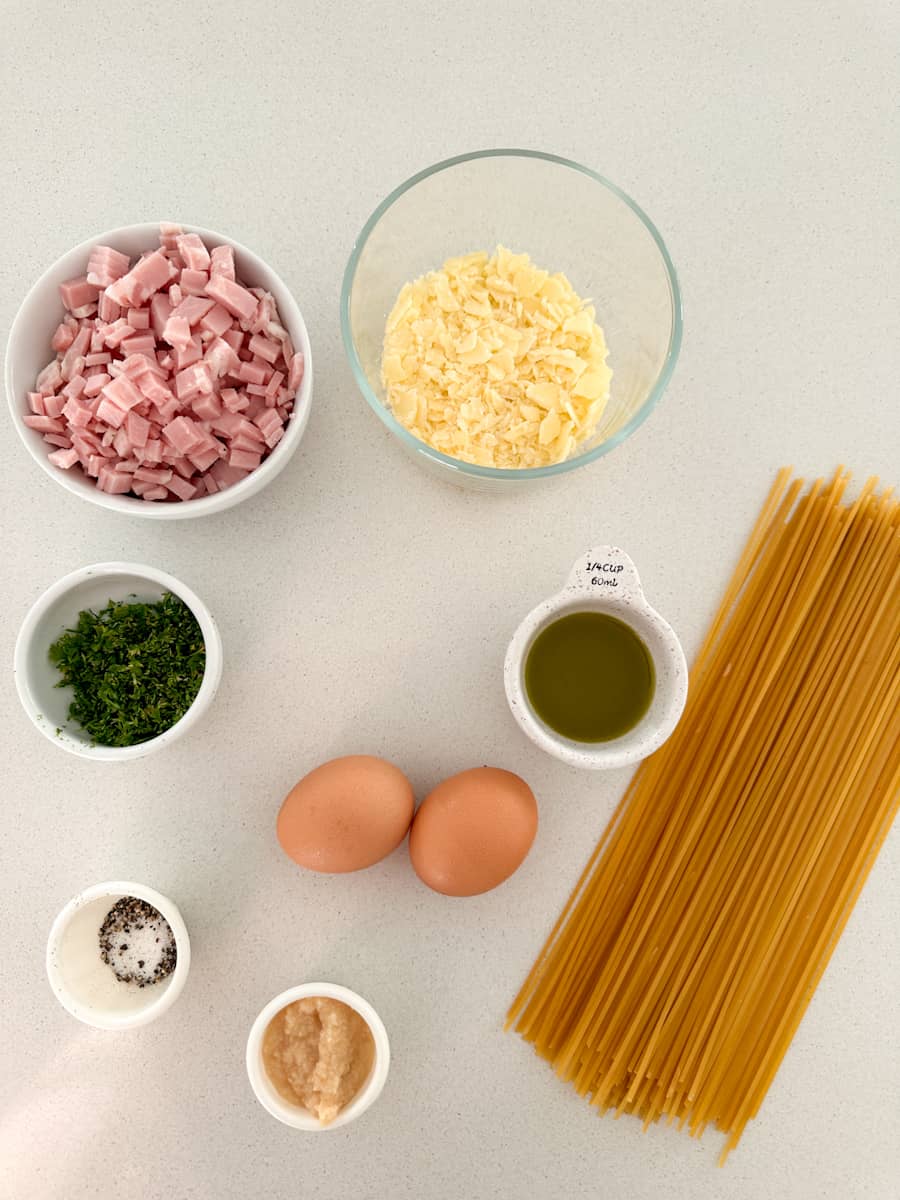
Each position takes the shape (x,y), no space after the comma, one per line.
(366,607)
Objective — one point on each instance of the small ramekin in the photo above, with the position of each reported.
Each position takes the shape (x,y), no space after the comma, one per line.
(28,351)
(58,609)
(293,1114)
(85,985)
(603,580)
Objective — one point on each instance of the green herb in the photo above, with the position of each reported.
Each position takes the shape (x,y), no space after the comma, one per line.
(135,668)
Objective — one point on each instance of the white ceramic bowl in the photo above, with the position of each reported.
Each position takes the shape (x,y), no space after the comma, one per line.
(84,984)
(603,580)
(292,1114)
(58,609)
(28,350)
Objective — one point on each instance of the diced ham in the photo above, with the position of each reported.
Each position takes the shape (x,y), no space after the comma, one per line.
(85,443)
(234,338)
(54,405)
(193,282)
(153,389)
(122,443)
(50,378)
(152,452)
(207,407)
(44,424)
(116,483)
(216,321)
(64,458)
(193,380)
(105,266)
(140,343)
(177,331)
(154,475)
(146,277)
(138,318)
(192,250)
(226,475)
(190,353)
(117,332)
(233,400)
(138,429)
(221,358)
(295,371)
(204,459)
(107,309)
(166,364)
(74,387)
(274,383)
(95,383)
(239,302)
(76,293)
(65,336)
(183,466)
(192,308)
(169,235)
(240,441)
(256,406)
(168,410)
(287,348)
(138,365)
(266,349)
(181,487)
(110,413)
(123,393)
(160,311)
(222,261)
(78,415)
(251,372)
(267,421)
(183,434)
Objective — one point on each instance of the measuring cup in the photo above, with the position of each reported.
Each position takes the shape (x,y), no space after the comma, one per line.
(603,580)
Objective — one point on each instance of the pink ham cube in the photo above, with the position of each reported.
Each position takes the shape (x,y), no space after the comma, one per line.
(105,266)
(239,302)
(193,252)
(222,262)
(76,293)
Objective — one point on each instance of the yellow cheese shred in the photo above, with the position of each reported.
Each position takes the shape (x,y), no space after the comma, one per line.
(496,362)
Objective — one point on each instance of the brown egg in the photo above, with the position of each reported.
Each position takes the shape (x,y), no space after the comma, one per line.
(473,831)
(345,815)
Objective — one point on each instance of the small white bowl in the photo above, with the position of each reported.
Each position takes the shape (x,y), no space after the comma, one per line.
(603,580)
(28,351)
(85,985)
(58,609)
(293,1114)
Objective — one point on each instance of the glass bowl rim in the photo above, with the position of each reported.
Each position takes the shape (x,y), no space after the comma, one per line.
(510,473)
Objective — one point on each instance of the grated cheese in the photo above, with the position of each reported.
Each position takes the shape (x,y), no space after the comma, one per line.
(495,362)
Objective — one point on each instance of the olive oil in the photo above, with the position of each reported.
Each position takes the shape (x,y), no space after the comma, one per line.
(589,677)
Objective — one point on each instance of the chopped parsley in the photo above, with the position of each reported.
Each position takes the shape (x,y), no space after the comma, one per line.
(135,668)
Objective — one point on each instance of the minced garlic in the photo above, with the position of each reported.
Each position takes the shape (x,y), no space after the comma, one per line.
(495,362)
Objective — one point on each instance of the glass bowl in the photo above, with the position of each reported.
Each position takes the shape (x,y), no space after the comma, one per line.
(567,218)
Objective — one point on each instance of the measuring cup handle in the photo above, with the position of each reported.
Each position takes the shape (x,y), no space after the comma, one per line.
(606,571)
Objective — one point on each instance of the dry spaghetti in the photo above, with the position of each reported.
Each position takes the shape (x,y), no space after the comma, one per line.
(678,972)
